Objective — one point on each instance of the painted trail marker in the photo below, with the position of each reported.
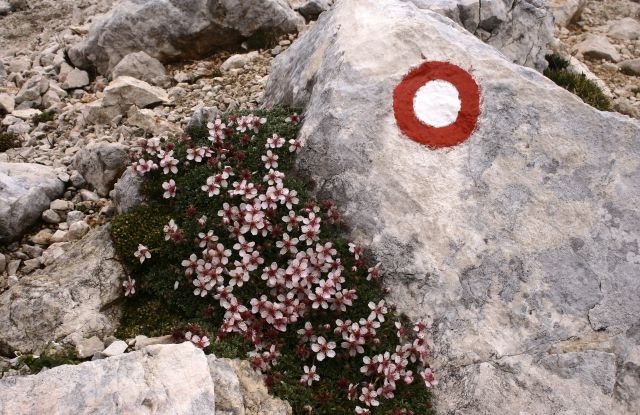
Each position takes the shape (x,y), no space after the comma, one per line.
(437,104)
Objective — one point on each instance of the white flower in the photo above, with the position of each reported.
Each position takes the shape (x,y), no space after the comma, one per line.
(142,253)
(129,287)
(169,189)
(270,160)
(310,375)
(323,348)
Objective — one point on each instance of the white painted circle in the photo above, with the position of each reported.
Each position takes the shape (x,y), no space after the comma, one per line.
(437,103)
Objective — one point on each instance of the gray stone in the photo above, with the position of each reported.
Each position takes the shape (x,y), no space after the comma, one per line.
(241,391)
(239,61)
(19,64)
(171,379)
(150,122)
(127,193)
(77,78)
(3,263)
(51,216)
(312,8)
(74,216)
(12,280)
(627,28)
(88,347)
(101,165)
(32,89)
(26,114)
(53,252)
(96,113)
(116,348)
(630,67)
(171,30)
(597,47)
(520,29)
(26,190)
(59,236)
(76,179)
(202,115)
(143,341)
(43,237)
(61,205)
(88,196)
(31,265)
(141,66)
(69,300)
(126,91)
(32,251)
(7,104)
(77,230)
(566,12)
(519,245)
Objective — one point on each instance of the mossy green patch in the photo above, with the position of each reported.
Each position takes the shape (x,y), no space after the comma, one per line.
(7,141)
(578,84)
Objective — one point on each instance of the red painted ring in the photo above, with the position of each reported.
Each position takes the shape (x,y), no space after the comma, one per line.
(434,137)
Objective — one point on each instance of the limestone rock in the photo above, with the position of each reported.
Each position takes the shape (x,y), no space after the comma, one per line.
(66,301)
(127,194)
(32,89)
(26,114)
(26,190)
(76,79)
(171,30)
(597,47)
(7,103)
(77,230)
(88,347)
(126,91)
(101,165)
(630,67)
(241,391)
(520,29)
(625,29)
(566,12)
(116,348)
(171,379)
(239,61)
(518,245)
(141,66)
(149,121)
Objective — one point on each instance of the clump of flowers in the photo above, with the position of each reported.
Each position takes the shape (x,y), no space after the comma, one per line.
(260,264)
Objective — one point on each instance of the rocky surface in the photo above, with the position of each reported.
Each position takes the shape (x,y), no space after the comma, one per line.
(172,30)
(241,391)
(520,245)
(26,190)
(616,26)
(159,379)
(68,301)
(520,29)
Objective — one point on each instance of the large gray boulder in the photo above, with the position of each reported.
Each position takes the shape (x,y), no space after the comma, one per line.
(65,302)
(519,245)
(160,379)
(521,29)
(26,190)
(175,379)
(101,165)
(171,30)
